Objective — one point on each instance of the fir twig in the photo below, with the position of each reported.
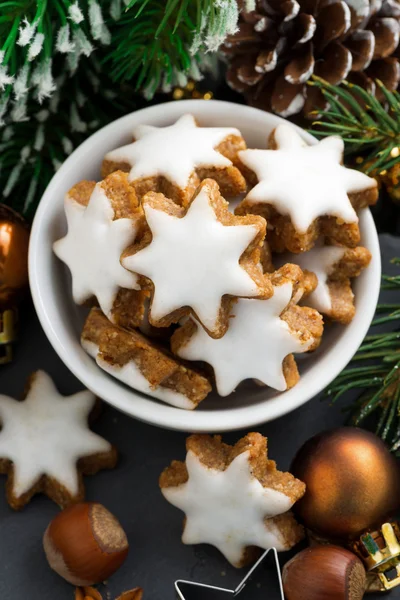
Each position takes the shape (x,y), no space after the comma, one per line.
(378,381)
(371,131)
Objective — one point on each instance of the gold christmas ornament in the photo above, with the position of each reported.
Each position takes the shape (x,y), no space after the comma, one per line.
(352,483)
(14,241)
(380,552)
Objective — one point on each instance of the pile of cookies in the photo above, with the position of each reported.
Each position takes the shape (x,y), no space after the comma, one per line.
(191,289)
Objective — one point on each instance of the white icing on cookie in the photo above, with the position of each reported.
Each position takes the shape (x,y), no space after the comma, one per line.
(46,434)
(193,261)
(92,249)
(173,152)
(228,509)
(254,346)
(319,260)
(305,182)
(130,375)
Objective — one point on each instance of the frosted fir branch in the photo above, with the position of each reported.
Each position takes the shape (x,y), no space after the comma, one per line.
(4,101)
(194,71)
(31,194)
(75,13)
(180,78)
(72,61)
(42,115)
(249,5)
(94,80)
(115,9)
(8,132)
(67,145)
(216,24)
(95,19)
(26,32)
(82,44)
(55,100)
(21,86)
(64,43)
(76,123)
(42,79)
(5,78)
(36,47)
(150,89)
(56,164)
(223,25)
(97,27)
(166,84)
(16,171)
(18,112)
(80,98)
(38,142)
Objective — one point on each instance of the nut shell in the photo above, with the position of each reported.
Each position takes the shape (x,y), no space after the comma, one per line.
(352,483)
(324,573)
(85,544)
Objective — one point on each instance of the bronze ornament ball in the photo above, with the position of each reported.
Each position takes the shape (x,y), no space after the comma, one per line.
(352,483)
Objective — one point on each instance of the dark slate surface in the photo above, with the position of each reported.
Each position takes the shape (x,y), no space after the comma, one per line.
(157,557)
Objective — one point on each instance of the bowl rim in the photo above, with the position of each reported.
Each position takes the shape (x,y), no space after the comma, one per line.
(144,407)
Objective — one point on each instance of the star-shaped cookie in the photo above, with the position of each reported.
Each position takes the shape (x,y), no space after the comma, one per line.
(333,267)
(95,241)
(304,191)
(46,445)
(233,497)
(174,159)
(198,259)
(260,341)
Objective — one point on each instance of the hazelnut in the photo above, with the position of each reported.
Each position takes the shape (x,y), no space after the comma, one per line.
(85,544)
(324,573)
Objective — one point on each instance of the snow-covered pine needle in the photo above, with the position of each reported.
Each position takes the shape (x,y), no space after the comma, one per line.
(21,86)
(64,43)
(26,32)
(5,78)
(75,13)
(36,46)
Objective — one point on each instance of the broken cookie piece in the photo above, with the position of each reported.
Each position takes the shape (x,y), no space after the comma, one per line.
(261,338)
(175,159)
(234,497)
(133,359)
(304,191)
(333,267)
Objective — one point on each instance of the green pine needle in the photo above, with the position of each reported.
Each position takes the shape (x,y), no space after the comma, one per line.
(375,372)
(370,129)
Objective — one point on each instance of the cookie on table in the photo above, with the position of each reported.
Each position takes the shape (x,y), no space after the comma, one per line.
(304,191)
(175,159)
(133,359)
(261,338)
(333,267)
(199,259)
(103,220)
(234,497)
(46,445)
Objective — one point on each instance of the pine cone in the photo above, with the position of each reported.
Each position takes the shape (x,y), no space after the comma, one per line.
(281,44)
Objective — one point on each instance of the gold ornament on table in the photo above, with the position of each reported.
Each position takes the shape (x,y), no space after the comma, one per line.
(14,241)
(352,488)
(190,92)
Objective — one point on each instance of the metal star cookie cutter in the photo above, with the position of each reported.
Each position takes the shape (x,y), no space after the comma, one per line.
(235,592)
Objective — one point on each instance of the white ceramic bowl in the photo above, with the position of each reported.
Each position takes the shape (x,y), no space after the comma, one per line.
(62,320)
